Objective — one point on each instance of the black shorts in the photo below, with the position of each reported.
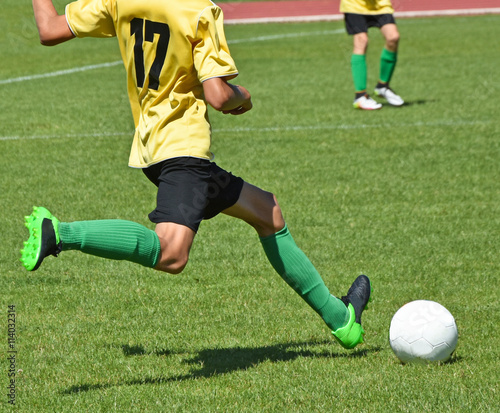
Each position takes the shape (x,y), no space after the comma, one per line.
(190,190)
(359,23)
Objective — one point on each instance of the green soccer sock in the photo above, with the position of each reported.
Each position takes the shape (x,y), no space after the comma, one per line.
(114,239)
(359,71)
(294,267)
(387,65)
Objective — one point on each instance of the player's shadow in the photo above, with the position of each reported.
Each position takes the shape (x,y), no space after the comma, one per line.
(217,361)
(418,102)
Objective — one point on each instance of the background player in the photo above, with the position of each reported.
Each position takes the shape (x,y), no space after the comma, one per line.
(177,60)
(359,15)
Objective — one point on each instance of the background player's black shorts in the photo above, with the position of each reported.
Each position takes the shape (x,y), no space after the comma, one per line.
(359,23)
(190,190)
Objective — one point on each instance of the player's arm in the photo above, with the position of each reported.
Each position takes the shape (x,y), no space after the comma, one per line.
(226,97)
(52,27)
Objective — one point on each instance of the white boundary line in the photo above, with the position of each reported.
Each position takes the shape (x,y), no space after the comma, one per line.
(337,16)
(119,62)
(286,36)
(68,135)
(290,19)
(330,17)
(286,19)
(458,12)
(59,72)
(354,126)
(270,129)
(266,129)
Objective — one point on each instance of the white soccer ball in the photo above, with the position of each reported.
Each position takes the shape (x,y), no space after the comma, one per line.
(423,331)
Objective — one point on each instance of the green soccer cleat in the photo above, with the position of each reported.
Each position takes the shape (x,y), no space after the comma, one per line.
(356,302)
(43,238)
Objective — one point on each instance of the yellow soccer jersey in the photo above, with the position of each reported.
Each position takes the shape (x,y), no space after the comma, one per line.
(366,6)
(169,47)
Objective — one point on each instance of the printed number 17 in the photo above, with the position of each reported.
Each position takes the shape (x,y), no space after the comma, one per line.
(150,29)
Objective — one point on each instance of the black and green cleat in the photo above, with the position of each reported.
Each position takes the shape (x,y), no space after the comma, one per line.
(356,301)
(43,238)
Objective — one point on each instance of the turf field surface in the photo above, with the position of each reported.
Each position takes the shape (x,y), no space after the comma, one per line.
(409,196)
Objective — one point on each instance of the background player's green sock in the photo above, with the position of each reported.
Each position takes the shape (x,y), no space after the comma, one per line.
(359,71)
(387,65)
(114,239)
(295,268)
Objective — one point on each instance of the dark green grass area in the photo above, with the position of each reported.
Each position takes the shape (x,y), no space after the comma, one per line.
(410,196)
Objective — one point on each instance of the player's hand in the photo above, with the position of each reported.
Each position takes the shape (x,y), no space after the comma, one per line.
(240,110)
(226,97)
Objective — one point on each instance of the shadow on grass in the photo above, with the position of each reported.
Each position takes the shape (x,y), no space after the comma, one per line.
(453,360)
(419,102)
(217,361)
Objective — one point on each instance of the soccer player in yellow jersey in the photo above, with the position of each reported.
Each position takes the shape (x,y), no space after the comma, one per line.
(359,15)
(177,60)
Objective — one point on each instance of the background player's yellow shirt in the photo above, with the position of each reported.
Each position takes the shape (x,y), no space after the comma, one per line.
(169,47)
(366,6)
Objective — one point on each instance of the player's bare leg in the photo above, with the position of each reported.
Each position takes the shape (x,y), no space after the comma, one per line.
(176,241)
(391,34)
(360,43)
(258,208)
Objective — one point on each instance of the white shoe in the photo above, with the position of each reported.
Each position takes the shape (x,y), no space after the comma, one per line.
(388,94)
(367,103)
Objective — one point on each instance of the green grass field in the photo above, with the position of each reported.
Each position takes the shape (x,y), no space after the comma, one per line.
(409,196)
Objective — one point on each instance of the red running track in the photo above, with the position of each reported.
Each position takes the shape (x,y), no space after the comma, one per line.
(311,10)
